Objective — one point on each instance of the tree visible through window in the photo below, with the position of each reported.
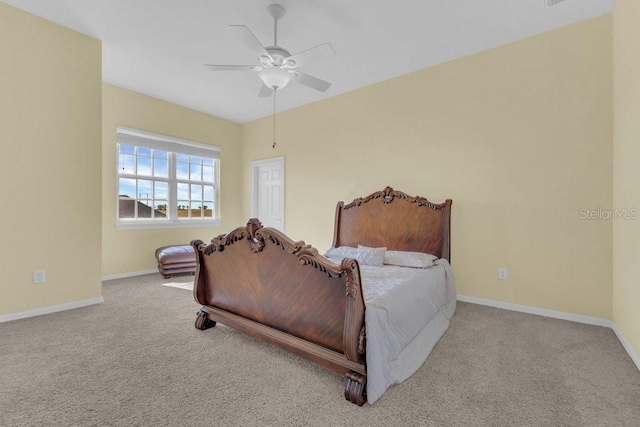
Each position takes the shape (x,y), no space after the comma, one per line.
(163,181)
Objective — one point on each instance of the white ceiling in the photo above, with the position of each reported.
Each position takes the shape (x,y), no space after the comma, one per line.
(158,47)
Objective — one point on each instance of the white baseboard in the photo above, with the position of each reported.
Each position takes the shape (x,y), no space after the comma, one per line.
(50,309)
(558,315)
(538,311)
(132,274)
(634,356)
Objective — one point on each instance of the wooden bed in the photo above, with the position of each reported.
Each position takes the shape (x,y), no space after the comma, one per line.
(259,281)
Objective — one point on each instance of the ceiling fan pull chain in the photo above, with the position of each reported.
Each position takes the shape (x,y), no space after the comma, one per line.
(275,90)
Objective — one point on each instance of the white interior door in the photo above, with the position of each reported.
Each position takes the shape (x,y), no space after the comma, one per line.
(268,192)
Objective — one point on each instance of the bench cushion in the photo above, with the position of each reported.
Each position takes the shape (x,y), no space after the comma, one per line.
(176,259)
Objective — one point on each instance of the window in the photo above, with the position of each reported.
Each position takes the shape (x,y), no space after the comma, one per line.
(165,182)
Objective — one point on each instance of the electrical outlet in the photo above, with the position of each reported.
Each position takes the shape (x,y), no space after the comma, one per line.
(38,276)
(502,274)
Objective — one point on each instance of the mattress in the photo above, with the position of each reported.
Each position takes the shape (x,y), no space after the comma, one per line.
(407,311)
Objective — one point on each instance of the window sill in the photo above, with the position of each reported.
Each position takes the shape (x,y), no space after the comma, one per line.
(154,225)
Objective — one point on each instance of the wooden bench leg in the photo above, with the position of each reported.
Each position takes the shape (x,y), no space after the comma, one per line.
(203,322)
(355,389)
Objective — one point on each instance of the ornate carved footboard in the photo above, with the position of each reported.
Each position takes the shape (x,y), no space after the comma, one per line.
(257,280)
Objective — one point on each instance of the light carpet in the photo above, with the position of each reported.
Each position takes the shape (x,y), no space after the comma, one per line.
(138,360)
(186,285)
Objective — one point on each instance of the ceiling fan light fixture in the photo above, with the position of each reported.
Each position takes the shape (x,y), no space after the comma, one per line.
(275,78)
(277,67)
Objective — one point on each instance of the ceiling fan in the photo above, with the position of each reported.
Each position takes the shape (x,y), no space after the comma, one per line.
(276,66)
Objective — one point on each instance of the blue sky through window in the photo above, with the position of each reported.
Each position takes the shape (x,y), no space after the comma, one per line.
(144,176)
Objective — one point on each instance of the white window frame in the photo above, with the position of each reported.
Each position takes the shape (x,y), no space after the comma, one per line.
(172,146)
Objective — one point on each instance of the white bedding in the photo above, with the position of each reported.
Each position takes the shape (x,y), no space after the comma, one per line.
(407,311)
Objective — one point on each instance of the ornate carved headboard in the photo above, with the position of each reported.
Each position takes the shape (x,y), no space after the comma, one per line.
(396,221)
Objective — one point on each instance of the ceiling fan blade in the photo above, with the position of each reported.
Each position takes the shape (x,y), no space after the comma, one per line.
(214,67)
(323,51)
(251,40)
(310,81)
(265,91)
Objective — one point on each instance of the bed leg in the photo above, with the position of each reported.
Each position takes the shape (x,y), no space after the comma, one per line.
(203,322)
(354,390)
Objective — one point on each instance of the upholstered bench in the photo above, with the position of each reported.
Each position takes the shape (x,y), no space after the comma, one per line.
(176,259)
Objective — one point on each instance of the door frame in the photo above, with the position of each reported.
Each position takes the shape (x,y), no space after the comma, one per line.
(255,194)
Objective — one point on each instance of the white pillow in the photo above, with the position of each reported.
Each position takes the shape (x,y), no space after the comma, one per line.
(342,252)
(371,256)
(409,259)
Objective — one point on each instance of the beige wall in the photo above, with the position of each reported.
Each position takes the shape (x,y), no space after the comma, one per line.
(626,236)
(520,137)
(50,101)
(133,251)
